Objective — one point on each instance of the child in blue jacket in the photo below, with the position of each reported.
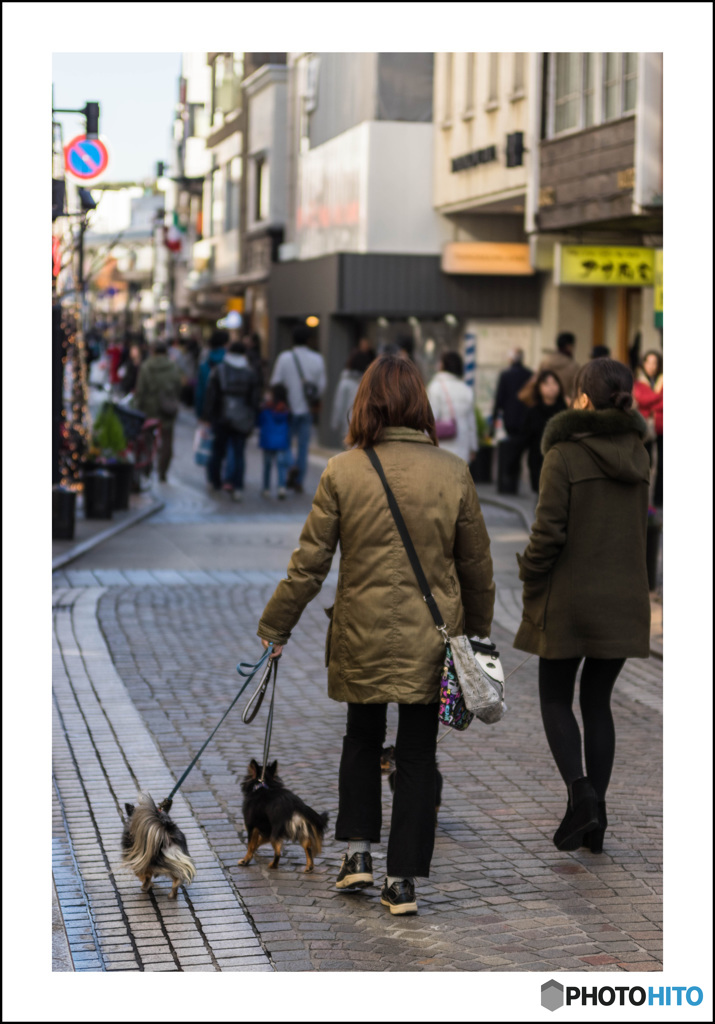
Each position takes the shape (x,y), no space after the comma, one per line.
(274,423)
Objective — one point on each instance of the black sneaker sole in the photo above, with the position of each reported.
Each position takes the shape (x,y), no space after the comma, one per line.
(357,881)
(400,908)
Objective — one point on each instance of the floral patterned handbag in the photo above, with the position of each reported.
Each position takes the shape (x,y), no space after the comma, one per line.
(452,709)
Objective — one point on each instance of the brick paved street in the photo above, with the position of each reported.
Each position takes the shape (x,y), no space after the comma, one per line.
(147,632)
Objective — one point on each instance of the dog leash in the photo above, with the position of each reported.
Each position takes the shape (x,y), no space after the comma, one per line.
(251,710)
(247,670)
(520,665)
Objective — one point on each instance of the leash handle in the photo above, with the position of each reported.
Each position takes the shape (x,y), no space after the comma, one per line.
(248,676)
(269,721)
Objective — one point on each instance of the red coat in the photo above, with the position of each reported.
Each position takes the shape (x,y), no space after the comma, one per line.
(650,400)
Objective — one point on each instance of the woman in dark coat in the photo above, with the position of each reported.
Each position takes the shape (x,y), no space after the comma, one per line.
(586,584)
(548,401)
(382,645)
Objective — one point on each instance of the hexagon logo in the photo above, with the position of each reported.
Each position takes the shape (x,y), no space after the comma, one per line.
(552,995)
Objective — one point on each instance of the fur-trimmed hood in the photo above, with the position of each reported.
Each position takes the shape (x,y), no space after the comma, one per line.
(614,439)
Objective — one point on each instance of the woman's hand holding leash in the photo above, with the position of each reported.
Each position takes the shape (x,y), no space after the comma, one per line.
(277,648)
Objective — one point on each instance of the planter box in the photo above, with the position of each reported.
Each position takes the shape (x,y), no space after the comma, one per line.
(98,495)
(64,503)
(482,465)
(123,474)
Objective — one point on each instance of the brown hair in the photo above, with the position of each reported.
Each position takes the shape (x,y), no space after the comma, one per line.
(608,383)
(391,394)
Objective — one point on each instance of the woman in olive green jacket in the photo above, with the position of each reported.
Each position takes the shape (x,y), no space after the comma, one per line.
(382,645)
(586,583)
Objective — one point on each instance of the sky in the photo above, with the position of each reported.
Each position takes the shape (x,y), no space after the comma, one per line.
(136,93)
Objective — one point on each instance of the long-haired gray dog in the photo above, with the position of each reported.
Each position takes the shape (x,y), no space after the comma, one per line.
(153,845)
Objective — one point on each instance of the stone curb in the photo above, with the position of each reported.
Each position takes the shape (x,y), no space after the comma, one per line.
(111,531)
(61,955)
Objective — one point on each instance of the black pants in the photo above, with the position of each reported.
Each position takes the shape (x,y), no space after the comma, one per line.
(411,842)
(557,680)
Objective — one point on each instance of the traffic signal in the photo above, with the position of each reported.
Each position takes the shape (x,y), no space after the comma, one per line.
(91,113)
(58,198)
(85,200)
(515,149)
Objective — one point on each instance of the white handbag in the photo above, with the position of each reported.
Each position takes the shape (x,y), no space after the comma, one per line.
(480,676)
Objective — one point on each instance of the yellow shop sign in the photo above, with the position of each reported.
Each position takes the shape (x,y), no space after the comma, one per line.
(626,266)
(658,290)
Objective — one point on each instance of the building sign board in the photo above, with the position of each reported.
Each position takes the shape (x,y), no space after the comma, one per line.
(625,266)
(332,191)
(508,258)
(658,289)
(478,156)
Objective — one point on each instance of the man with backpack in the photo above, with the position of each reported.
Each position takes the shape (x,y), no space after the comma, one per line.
(233,394)
(301,371)
(157,396)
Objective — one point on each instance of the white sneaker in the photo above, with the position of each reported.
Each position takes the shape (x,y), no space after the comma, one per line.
(282,493)
(237,496)
(266,494)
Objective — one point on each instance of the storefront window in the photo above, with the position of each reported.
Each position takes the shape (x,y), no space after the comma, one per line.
(630,75)
(567,94)
(233,184)
(611,85)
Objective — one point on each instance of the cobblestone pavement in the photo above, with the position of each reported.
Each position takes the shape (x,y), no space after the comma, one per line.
(144,665)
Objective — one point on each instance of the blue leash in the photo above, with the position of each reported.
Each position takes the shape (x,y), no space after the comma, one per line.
(246,669)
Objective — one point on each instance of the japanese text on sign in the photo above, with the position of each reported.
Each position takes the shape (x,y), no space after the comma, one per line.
(658,290)
(605,265)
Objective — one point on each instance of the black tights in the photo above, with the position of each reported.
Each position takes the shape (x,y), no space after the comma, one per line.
(557,679)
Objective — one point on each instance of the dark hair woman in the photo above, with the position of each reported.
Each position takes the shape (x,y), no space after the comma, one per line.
(382,646)
(548,402)
(585,583)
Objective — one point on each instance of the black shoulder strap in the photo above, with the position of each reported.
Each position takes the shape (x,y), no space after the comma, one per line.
(407,541)
(297,363)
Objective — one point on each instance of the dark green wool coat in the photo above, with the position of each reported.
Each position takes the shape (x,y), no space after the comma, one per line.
(382,643)
(584,569)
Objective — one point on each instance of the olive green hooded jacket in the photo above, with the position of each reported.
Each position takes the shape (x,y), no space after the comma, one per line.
(584,569)
(158,378)
(382,644)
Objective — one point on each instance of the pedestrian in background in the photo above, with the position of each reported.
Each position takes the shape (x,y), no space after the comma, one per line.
(452,402)
(348,386)
(548,402)
(233,395)
(507,405)
(253,354)
(648,393)
(586,585)
(562,363)
(157,395)
(600,352)
(382,646)
(302,372)
(274,423)
(131,368)
(216,353)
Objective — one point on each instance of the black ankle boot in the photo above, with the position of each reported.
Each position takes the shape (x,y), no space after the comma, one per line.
(593,840)
(581,815)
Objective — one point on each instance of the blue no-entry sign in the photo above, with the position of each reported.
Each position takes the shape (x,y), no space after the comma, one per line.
(86,158)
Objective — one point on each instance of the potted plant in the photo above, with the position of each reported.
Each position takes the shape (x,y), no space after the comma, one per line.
(109,446)
(481,467)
